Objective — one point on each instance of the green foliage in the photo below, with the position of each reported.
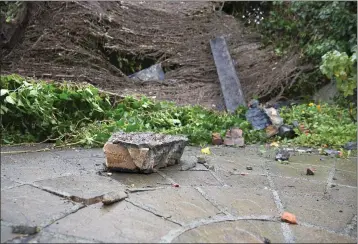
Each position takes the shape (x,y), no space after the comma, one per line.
(40,110)
(68,113)
(10,9)
(315,27)
(328,124)
(342,68)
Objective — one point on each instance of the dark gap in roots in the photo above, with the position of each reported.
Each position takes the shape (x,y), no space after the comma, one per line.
(126,62)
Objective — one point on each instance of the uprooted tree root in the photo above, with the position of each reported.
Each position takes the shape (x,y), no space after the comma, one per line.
(102,42)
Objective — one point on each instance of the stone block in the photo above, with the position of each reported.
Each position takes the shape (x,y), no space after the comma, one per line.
(143,152)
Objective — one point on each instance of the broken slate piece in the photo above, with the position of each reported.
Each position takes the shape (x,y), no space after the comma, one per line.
(256,116)
(143,152)
(153,73)
(229,81)
(113,197)
(188,163)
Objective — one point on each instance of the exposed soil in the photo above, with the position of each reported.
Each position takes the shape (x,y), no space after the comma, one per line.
(99,42)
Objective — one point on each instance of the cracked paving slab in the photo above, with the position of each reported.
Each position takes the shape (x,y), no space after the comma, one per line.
(87,189)
(121,222)
(27,205)
(181,205)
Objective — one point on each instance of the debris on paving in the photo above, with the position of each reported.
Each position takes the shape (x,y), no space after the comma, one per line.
(248,167)
(206,150)
(330,152)
(25,229)
(109,173)
(175,185)
(234,137)
(310,171)
(288,218)
(216,139)
(256,116)
(201,160)
(282,155)
(113,197)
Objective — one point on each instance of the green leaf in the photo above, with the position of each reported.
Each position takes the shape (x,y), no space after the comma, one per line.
(9,99)
(3,92)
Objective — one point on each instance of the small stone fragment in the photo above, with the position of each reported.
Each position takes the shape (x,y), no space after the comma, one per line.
(282,155)
(175,185)
(113,197)
(201,160)
(309,172)
(25,230)
(248,167)
(212,167)
(216,139)
(109,173)
(289,218)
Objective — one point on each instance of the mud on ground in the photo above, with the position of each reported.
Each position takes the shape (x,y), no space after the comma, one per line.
(97,42)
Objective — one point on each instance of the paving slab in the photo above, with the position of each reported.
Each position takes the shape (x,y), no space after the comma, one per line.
(347,164)
(181,204)
(30,167)
(305,234)
(345,178)
(344,195)
(193,178)
(121,222)
(81,188)
(140,180)
(27,205)
(299,171)
(308,202)
(233,232)
(249,178)
(243,201)
(7,183)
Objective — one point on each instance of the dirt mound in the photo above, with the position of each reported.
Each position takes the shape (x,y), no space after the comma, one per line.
(97,42)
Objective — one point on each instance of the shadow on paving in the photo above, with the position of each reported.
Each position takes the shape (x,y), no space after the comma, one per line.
(60,192)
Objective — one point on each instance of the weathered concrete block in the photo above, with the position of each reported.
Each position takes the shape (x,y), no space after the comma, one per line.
(143,152)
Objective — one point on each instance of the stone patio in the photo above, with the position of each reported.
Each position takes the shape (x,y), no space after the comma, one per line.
(60,192)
